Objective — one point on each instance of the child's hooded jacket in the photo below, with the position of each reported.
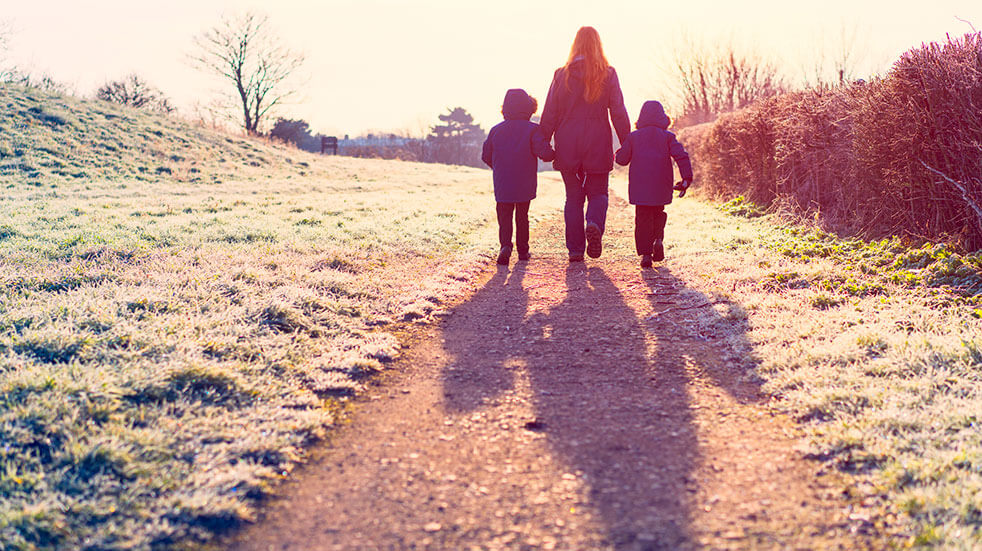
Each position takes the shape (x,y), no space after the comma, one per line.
(650,150)
(512,148)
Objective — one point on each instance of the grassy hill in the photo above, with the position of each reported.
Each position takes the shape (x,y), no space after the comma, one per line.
(182,310)
(52,141)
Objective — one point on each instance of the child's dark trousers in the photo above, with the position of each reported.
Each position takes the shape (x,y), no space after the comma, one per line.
(521,211)
(649,225)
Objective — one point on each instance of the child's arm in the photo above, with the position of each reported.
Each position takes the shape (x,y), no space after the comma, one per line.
(541,147)
(681,159)
(487,150)
(623,156)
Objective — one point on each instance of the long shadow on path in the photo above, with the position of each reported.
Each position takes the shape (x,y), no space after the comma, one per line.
(608,391)
(482,335)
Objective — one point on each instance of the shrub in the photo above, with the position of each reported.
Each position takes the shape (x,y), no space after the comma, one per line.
(895,156)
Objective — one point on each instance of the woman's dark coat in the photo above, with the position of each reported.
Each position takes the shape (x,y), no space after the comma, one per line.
(650,150)
(511,150)
(581,129)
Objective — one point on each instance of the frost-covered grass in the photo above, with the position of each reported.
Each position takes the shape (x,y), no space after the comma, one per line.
(875,348)
(182,311)
(171,339)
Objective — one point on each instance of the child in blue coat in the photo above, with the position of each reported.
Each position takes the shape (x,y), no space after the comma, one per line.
(511,150)
(650,150)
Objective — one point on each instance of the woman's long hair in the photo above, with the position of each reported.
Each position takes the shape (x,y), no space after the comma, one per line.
(587,44)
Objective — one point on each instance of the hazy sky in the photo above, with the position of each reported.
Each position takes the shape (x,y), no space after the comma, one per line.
(396,65)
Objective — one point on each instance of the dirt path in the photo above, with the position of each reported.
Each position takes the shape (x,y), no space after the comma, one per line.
(584,406)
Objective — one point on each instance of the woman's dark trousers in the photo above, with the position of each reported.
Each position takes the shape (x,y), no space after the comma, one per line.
(592,190)
(649,226)
(521,211)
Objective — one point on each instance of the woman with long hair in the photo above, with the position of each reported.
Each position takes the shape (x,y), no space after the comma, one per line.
(584,99)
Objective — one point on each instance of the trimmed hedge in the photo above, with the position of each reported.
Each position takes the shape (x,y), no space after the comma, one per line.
(900,155)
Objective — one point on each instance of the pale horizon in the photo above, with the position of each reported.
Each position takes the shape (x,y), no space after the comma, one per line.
(391,66)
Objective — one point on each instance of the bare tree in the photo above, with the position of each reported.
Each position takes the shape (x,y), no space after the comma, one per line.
(839,63)
(23,77)
(718,79)
(243,51)
(135,92)
(39,81)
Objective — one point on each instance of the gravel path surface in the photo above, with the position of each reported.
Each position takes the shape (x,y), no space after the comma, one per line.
(567,406)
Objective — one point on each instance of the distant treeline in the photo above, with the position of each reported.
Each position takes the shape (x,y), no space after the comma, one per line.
(457,141)
(899,155)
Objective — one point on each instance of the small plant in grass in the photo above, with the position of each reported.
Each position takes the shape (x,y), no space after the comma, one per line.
(740,206)
(206,385)
(873,344)
(284,317)
(783,280)
(848,285)
(50,116)
(151,306)
(335,263)
(824,302)
(53,349)
(360,368)
(229,351)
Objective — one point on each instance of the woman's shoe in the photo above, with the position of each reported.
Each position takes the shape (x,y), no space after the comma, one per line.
(524,256)
(573,257)
(646,261)
(593,240)
(504,255)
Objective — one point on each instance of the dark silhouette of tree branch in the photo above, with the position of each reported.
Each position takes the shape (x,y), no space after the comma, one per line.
(243,51)
(967,22)
(966,195)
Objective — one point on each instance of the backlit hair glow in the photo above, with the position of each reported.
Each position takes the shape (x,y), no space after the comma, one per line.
(587,44)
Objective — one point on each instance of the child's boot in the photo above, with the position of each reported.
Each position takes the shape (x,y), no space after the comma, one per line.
(658,251)
(504,255)
(646,261)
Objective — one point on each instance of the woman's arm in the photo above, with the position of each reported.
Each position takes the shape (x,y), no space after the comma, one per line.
(541,147)
(550,112)
(618,113)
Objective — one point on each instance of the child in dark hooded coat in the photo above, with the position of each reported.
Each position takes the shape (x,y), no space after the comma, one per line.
(512,150)
(650,150)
